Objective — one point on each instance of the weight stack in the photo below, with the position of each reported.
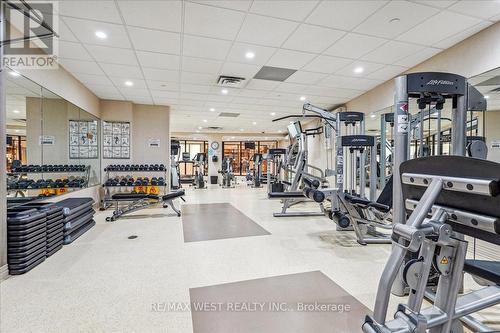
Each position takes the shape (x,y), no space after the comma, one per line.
(78,217)
(26,239)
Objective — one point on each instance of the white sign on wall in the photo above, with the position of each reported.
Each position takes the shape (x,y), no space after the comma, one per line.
(47,140)
(152,142)
(495,144)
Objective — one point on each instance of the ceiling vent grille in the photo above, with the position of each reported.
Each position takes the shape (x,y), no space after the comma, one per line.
(229,114)
(274,73)
(230,81)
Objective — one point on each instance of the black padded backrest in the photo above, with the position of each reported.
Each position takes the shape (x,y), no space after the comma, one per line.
(461,167)
(385,197)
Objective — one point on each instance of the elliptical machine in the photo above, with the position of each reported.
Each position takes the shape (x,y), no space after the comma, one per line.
(227,172)
(175,174)
(199,165)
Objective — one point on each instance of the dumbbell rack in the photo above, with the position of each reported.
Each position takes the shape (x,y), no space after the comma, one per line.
(106,202)
(18,174)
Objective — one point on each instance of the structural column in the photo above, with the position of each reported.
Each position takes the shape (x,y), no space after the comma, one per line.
(3,162)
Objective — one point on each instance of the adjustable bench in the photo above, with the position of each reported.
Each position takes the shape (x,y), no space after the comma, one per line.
(292,198)
(137,201)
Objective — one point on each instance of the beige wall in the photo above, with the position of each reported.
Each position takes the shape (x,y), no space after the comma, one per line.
(473,56)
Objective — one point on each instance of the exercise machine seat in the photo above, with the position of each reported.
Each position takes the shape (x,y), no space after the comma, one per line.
(365,202)
(133,196)
(488,270)
(173,195)
(385,197)
(285,195)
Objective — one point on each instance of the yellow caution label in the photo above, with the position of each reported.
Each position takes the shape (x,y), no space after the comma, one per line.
(444,261)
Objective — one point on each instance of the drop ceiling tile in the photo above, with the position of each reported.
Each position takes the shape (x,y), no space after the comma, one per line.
(80,66)
(239,50)
(241,5)
(391,52)
(202,47)
(144,100)
(478,8)
(313,39)
(195,88)
(292,10)
(368,67)
(344,15)
(64,33)
(408,13)
(86,29)
(101,80)
(354,46)
(160,74)
(103,89)
(387,72)
(199,65)
(72,50)
(252,93)
(198,78)
(336,81)
(119,82)
(303,77)
(418,57)
(211,21)
(162,15)
(450,41)
(130,72)
(93,10)
(265,31)
(164,94)
(155,41)
(291,88)
(164,100)
(438,27)
(162,85)
(158,60)
(262,84)
(112,55)
(290,59)
(135,93)
(434,3)
(326,64)
(246,71)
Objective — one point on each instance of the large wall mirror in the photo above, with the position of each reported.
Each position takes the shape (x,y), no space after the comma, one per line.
(53,146)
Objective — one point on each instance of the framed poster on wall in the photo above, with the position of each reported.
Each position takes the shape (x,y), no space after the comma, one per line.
(116,139)
(83,139)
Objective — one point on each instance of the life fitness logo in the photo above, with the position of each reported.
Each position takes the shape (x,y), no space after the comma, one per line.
(439,82)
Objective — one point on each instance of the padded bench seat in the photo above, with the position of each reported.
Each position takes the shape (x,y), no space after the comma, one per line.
(285,195)
(133,196)
(365,202)
(488,270)
(173,195)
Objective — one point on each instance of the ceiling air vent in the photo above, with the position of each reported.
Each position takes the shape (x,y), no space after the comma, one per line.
(274,73)
(229,114)
(230,81)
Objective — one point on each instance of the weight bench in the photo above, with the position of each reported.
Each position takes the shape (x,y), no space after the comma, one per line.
(365,215)
(291,198)
(137,201)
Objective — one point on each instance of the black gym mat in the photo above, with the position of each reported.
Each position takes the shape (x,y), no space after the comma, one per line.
(70,238)
(78,214)
(73,205)
(75,224)
(217,221)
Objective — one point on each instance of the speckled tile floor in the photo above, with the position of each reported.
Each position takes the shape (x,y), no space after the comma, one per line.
(105,282)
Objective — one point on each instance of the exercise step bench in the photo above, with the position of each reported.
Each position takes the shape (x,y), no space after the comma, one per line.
(138,201)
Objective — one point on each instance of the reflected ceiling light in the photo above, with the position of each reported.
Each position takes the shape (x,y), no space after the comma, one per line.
(199,127)
(16,111)
(241,129)
(197,131)
(129,83)
(101,34)
(372,116)
(358,70)
(254,122)
(249,55)
(17,131)
(212,109)
(273,113)
(302,98)
(232,137)
(15,74)
(224,91)
(204,120)
(486,97)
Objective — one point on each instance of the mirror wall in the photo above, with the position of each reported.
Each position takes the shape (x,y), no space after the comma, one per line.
(53,146)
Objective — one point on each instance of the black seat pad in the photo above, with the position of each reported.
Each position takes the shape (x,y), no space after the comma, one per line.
(489,270)
(133,196)
(173,195)
(285,195)
(367,203)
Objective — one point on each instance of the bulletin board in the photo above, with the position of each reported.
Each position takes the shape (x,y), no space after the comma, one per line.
(116,139)
(83,139)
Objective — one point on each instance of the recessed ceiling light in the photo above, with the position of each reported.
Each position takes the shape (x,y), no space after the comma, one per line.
(372,116)
(197,131)
(15,74)
(486,96)
(358,70)
(212,109)
(273,113)
(394,20)
(204,120)
(224,91)
(249,55)
(129,83)
(302,98)
(232,137)
(17,131)
(101,34)
(199,127)
(254,122)
(16,111)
